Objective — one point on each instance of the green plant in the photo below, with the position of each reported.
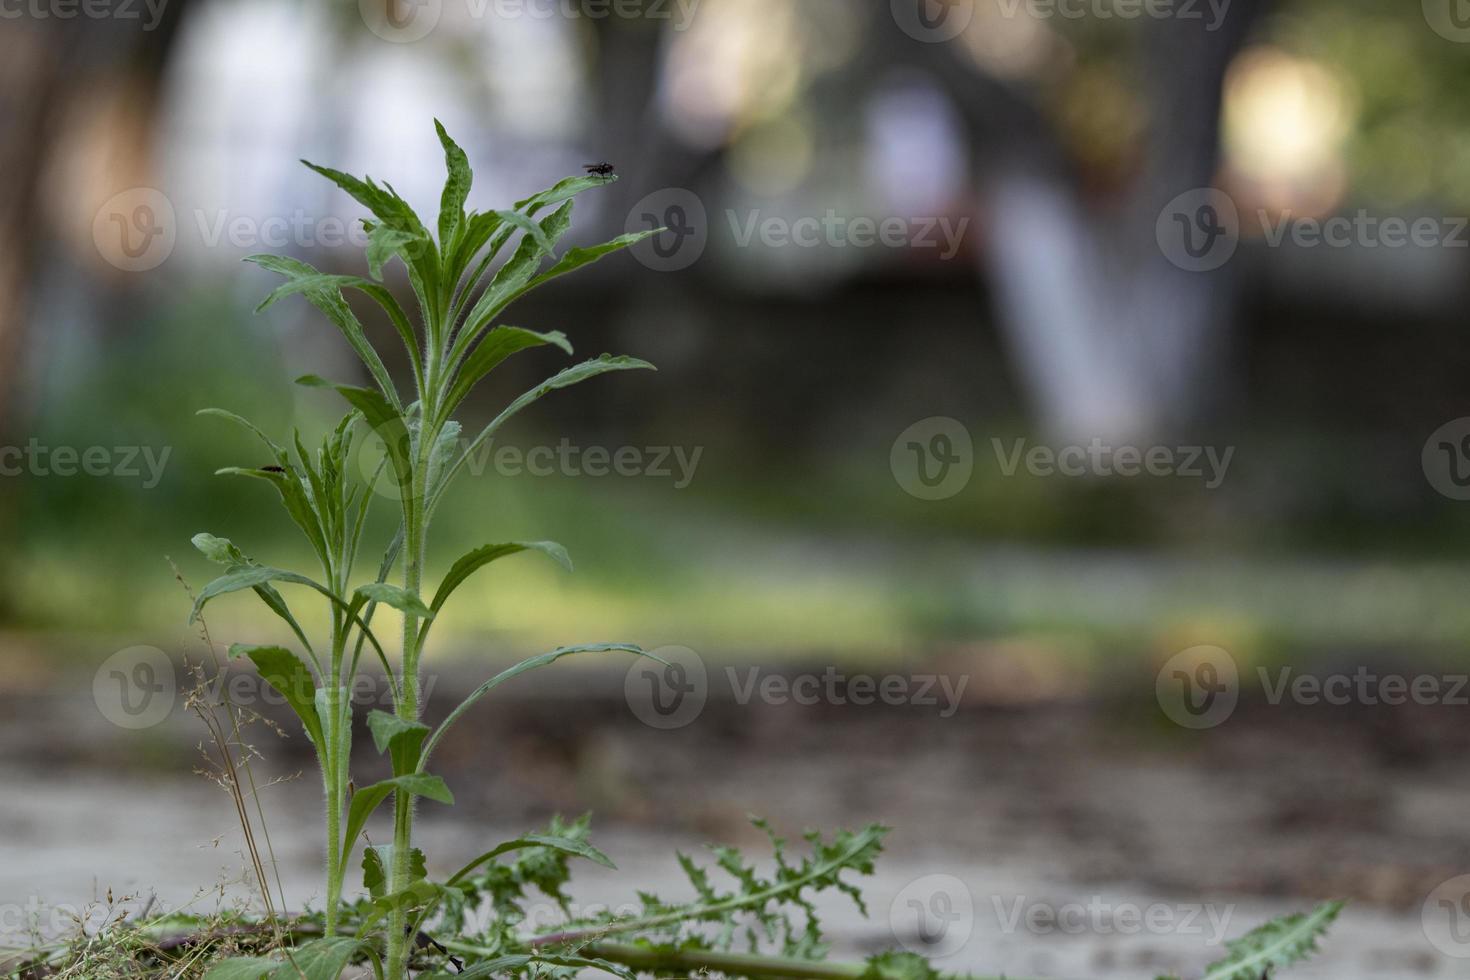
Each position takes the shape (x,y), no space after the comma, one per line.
(453,348)
(406,921)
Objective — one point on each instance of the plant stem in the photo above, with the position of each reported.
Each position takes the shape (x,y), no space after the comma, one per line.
(337,734)
(408,707)
(650,959)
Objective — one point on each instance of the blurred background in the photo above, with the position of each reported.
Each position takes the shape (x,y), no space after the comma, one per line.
(917,249)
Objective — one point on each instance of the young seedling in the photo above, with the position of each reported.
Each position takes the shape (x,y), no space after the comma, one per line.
(406,921)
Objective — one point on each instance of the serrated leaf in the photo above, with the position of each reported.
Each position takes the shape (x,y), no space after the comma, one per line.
(376,861)
(566,845)
(1276,945)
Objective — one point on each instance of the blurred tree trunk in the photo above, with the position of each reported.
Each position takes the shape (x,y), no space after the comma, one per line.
(1108,337)
(32,64)
(48,69)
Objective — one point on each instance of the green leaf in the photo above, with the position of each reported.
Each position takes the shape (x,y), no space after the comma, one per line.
(295,497)
(1276,945)
(563,379)
(378,858)
(899,965)
(400,737)
(248,578)
(384,242)
(578,257)
(386,420)
(472,562)
(328,299)
(498,345)
(224,552)
(284,671)
(456,186)
(241,968)
(511,964)
(567,845)
(535,233)
(246,424)
(384,202)
(399,598)
(510,279)
(369,798)
(531,663)
(563,190)
(320,959)
(219,550)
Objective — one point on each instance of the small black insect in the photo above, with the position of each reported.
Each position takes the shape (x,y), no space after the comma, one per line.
(273,469)
(600,169)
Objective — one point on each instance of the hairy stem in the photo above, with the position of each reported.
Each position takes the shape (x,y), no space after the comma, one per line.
(408,701)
